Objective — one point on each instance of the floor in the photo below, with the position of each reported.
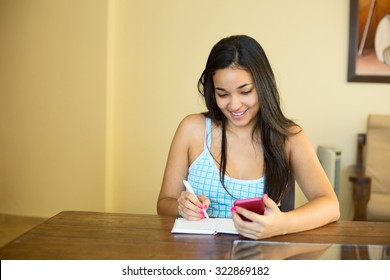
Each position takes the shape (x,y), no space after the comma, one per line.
(12,226)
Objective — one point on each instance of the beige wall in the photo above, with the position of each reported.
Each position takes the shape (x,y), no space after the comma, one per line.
(91,92)
(52,106)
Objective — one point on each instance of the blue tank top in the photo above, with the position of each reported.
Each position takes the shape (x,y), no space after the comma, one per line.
(203,174)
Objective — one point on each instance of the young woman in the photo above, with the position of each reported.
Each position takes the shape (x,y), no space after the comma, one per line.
(243,147)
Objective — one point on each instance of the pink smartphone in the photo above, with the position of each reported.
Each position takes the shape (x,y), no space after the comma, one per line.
(252,204)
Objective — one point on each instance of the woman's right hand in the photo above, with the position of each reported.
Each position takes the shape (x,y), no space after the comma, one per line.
(192,207)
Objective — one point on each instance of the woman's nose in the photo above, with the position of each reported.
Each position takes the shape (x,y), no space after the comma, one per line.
(235,103)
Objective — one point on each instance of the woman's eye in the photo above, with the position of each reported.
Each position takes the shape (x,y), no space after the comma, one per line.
(246,92)
(221,95)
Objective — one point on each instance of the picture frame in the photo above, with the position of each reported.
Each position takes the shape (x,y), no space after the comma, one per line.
(368,38)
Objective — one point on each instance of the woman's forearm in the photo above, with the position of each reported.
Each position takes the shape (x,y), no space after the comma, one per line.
(167,207)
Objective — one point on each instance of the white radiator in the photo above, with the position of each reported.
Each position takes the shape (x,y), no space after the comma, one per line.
(330,158)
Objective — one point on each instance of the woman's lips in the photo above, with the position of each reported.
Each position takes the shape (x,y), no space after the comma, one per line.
(238,115)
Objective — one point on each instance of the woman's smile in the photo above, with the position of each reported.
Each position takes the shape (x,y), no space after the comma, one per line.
(236,95)
(238,115)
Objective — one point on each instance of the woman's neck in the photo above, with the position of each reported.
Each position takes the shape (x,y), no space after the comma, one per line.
(243,132)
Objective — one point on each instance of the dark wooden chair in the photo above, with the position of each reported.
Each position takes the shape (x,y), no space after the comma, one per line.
(371,174)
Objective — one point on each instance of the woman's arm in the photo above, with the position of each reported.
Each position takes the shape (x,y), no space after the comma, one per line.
(322,206)
(186,145)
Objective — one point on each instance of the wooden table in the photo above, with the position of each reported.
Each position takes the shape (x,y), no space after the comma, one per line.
(77,235)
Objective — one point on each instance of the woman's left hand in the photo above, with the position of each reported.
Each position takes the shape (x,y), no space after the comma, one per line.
(262,226)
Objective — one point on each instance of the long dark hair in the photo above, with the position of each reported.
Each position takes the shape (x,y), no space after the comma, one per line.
(246,53)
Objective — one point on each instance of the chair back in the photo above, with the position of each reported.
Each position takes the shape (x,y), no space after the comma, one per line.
(377,157)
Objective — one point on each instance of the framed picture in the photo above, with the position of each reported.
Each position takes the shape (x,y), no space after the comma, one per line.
(369,41)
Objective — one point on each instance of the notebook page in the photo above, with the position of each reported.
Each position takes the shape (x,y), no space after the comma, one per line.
(205,226)
(225,225)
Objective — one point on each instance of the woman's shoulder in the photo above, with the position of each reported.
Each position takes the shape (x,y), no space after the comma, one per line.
(192,125)
(298,139)
(296,133)
(295,130)
(193,122)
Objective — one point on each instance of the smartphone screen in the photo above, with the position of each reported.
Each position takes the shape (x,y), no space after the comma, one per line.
(252,204)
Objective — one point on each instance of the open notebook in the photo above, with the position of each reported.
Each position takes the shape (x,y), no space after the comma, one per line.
(205,226)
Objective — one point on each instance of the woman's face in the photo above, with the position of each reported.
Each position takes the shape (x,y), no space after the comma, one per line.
(236,96)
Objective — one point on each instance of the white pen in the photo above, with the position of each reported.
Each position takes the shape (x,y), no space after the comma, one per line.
(191,190)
